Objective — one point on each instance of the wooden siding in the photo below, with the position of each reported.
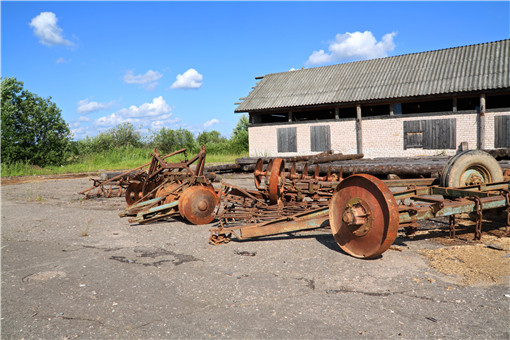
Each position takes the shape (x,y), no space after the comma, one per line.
(430,134)
(320,138)
(502,132)
(287,139)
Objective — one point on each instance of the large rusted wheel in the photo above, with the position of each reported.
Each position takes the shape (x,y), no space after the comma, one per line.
(133,192)
(197,204)
(168,191)
(258,173)
(363,215)
(276,180)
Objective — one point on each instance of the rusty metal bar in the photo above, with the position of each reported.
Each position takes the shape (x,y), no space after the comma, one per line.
(132,170)
(162,210)
(407,215)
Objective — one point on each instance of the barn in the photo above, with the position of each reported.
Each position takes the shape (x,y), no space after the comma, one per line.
(417,104)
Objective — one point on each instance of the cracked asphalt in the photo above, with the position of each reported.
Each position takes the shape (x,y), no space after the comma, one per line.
(72,268)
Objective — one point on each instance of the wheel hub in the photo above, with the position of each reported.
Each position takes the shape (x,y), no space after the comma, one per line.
(356,217)
(202,205)
(473,177)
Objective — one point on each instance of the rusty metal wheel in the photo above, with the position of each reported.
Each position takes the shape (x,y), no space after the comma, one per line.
(276,180)
(197,204)
(363,215)
(134,192)
(168,191)
(259,173)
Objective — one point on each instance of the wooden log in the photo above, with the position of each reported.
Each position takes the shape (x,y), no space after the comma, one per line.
(223,168)
(252,160)
(332,158)
(499,153)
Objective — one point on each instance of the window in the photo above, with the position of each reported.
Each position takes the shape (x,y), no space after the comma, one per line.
(499,101)
(320,138)
(287,139)
(428,106)
(430,134)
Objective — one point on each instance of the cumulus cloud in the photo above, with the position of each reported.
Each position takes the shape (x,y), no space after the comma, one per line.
(154,115)
(190,79)
(85,106)
(147,80)
(46,29)
(211,122)
(356,45)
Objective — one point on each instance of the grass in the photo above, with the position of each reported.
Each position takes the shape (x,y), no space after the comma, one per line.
(120,159)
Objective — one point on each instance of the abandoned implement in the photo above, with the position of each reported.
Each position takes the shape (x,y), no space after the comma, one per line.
(365,215)
(169,189)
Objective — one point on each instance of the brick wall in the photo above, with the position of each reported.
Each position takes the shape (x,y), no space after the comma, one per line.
(382,136)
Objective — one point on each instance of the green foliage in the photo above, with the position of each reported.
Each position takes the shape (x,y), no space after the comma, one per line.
(168,140)
(239,139)
(32,127)
(34,135)
(123,135)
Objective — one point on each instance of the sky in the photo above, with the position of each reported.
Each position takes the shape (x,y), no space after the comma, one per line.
(186,64)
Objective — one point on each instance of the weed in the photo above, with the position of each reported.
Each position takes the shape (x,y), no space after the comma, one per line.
(117,159)
(85,233)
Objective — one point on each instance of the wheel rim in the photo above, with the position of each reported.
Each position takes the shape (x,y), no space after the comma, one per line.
(475,175)
(168,191)
(258,173)
(363,216)
(276,179)
(197,204)
(133,192)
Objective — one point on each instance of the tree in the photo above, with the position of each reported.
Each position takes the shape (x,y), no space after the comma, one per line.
(239,139)
(33,129)
(206,137)
(168,140)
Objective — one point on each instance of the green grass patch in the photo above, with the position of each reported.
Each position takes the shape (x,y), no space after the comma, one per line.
(118,159)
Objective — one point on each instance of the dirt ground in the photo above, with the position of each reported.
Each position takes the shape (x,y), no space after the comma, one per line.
(71,268)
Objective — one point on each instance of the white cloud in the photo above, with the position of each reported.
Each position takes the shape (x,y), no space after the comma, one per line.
(356,45)
(190,79)
(211,122)
(148,115)
(84,119)
(46,29)
(85,106)
(62,60)
(147,80)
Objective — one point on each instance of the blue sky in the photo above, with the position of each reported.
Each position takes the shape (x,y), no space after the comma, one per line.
(185,64)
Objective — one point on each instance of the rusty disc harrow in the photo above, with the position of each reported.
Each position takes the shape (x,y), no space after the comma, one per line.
(197,204)
(134,192)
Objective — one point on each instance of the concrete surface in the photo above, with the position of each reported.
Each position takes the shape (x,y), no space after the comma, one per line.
(72,268)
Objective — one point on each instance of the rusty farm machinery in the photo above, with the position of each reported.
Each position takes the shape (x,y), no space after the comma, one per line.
(166,189)
(362,211)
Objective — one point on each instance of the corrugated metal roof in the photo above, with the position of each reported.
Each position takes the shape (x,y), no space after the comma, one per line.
(460,69)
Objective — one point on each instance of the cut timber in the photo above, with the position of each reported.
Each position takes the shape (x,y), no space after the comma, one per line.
(324,157)
(334,158)
(222,168)
(499,153)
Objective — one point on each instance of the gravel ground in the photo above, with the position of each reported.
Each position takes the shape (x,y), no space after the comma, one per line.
(72,268)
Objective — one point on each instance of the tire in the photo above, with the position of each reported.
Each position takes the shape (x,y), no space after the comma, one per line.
(446,168)
(470,168)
